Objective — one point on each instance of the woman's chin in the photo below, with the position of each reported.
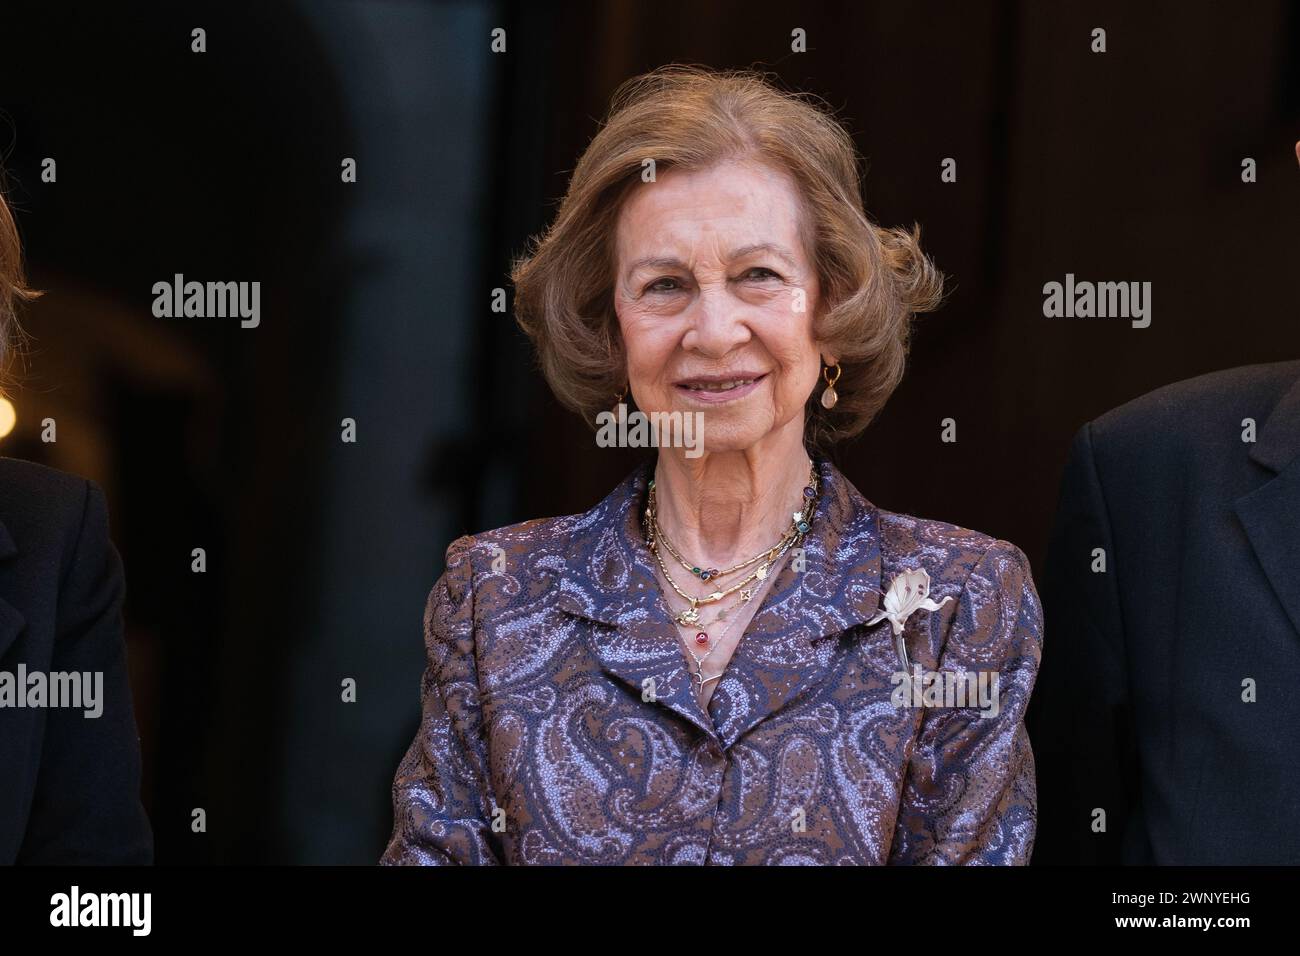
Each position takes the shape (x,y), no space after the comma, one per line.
(723,428)
(723,433)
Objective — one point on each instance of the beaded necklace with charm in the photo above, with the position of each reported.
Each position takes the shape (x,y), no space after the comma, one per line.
(689,616)
(799,526)
(697,676)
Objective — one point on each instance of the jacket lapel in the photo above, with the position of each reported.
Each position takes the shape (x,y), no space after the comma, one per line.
(832,587)
(11,621)
(610,580)
(1269,513)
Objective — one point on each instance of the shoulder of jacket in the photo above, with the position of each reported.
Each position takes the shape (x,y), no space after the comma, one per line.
(903,536)
(535,542)
(41,503)
(26,479)
(1173,415)
(533,534)
(949,553)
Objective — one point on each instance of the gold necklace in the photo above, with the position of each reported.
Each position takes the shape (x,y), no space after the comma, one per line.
(800,525)
(690,615)
(707,574)
(698,674)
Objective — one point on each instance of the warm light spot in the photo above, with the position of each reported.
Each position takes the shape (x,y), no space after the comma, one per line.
(8,417)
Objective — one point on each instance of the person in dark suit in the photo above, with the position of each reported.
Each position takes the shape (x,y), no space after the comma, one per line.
(1165,717)
(69,774)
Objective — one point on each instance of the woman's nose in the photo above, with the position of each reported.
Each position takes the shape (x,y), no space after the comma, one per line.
(717,323)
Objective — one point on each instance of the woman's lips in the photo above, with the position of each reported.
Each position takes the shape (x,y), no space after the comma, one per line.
(719,396)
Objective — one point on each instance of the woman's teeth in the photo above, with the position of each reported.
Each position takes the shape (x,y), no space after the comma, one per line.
(720,386)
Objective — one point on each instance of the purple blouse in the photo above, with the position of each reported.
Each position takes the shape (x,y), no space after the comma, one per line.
(560,725)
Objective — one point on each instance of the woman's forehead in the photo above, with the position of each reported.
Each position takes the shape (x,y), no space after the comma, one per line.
(726,210)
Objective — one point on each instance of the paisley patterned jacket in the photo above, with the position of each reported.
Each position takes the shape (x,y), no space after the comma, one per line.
(560,726)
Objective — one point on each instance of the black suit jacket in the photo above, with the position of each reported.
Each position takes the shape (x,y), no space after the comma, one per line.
(1139,706)
(69,784)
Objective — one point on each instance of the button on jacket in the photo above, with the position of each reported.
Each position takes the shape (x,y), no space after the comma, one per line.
(560,725)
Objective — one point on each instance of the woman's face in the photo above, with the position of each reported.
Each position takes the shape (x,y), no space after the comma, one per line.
(715,296)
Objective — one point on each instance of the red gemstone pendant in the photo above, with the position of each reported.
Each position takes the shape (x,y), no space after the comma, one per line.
(701,638)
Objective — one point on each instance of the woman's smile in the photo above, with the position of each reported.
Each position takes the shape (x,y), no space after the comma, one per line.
(712,390)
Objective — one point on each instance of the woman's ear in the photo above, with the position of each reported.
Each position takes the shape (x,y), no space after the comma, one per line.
(830,360)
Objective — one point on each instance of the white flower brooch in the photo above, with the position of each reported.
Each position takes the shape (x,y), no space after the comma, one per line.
(908,592)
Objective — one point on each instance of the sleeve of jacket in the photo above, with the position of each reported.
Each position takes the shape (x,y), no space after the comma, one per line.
(86,808)
(969,795)
(1081,716)
(442,804)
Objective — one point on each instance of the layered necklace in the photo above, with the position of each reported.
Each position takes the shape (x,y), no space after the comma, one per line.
(744,589)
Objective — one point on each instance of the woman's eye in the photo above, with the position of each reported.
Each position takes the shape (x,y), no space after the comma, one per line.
(657,285)
(750,273)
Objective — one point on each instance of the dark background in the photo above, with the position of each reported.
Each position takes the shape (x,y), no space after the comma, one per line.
(1123,166)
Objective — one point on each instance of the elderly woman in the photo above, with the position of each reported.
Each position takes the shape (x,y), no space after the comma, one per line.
(724,660)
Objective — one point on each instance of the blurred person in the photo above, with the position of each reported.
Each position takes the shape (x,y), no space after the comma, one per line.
(1165,718)
(69,747)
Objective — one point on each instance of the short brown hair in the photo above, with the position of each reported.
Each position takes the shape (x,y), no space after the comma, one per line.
(873,279)
(13,287)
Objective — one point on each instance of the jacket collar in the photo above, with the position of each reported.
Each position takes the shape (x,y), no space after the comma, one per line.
(7,547)
(1268,513)
(1279,438)
(11,620)
(610,579)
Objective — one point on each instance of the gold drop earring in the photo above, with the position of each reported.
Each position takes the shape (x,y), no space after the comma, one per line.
(830,396)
